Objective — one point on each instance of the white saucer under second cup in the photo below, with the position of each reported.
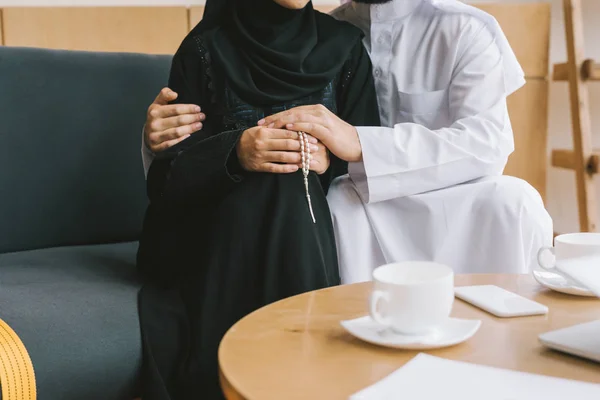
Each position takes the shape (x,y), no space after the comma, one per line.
(559,283)
(453,332)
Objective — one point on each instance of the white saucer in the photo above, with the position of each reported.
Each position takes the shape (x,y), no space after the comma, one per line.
(454,331)
(559,283)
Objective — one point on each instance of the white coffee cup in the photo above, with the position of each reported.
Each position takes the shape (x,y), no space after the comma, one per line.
(412,298)
(569,247)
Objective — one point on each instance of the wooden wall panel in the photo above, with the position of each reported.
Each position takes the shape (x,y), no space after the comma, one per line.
(527,27)
(195,15)
(1,32)
(528,110)
(156,30)
(1,28)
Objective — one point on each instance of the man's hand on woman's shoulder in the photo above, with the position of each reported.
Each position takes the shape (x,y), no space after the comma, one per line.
(168,124)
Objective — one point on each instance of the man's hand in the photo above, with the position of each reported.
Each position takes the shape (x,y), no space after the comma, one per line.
(168,124)
(338,136)
(276,151)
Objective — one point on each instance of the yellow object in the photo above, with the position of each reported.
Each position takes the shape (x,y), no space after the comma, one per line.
(17,377)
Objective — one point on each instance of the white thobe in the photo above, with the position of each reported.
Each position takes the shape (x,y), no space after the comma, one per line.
(429,186)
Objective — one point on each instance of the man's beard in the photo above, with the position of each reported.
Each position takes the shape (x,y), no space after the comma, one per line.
(373,1)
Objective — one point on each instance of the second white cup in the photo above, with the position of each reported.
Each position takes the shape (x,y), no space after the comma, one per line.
(412,298)
(569,247)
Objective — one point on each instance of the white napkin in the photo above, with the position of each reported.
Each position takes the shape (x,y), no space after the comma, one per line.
(583,270)
(427,377)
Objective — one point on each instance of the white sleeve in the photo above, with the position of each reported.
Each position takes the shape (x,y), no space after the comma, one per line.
(147,155)
(409,158)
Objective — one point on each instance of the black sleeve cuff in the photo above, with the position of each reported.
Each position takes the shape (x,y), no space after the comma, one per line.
(233,168)
(202,170)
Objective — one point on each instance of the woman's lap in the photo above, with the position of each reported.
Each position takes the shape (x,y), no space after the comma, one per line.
(261,246)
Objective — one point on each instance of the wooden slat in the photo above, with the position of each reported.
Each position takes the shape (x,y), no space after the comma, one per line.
(560,72)
(1,30)
(528,110)
(590,71)
(195,15)
(566,159)
(580,115)
(563,159)
(527,27)
(156,30)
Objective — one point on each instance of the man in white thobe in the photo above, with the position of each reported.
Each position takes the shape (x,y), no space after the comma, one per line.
(428,184)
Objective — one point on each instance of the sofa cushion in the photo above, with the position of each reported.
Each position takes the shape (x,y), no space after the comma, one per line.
(75,309)
(70,128)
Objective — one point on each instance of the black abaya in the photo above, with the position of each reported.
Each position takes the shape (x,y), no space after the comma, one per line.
(219,242)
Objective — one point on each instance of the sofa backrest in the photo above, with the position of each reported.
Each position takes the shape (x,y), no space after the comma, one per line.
(70,135)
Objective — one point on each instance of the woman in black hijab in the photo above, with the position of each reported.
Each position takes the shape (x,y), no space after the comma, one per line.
(220,241)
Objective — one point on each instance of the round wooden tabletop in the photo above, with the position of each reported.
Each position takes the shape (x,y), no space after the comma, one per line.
(296,348)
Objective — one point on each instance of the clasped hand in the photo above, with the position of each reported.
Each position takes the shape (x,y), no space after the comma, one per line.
(275,140)
(337,135)
(262,149)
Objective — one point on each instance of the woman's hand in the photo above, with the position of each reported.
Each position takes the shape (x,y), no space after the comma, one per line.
(275,151)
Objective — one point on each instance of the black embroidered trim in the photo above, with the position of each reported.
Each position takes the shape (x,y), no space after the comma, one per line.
(206,61)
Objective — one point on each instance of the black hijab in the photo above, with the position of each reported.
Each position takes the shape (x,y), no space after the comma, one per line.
(270,54)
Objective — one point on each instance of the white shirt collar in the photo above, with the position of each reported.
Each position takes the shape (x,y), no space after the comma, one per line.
(393,10)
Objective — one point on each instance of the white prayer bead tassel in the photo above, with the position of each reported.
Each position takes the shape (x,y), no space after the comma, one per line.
(306,158)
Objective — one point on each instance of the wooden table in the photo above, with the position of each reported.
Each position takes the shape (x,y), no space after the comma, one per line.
(296,348)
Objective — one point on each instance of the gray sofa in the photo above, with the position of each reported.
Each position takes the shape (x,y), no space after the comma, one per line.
(72,200)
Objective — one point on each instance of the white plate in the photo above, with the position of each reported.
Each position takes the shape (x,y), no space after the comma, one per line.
(453,332)
(559,283)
